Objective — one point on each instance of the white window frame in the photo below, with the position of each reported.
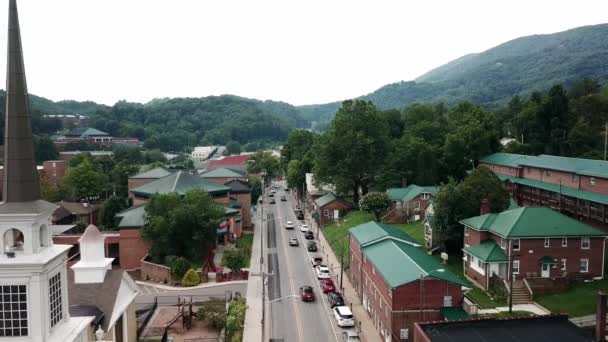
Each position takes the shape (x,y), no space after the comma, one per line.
(564,242)
(583,239)
(516,267)
(474,263)
(586,261)
(564,265)
(326,213)
(547,242)
(416,205)
(518,244)
(466,231)
(591,181)
(426,196)
(503,243)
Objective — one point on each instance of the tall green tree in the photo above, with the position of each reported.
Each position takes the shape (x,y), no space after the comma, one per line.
(296,175)
(45,149)
(353,148)
(233,147)
(84,181)
(110,208)
(375,202)
(264,161)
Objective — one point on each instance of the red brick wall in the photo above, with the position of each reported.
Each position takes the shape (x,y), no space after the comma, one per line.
(155,272)
(223,199)
(474,237)
(330,207)
(502,170)
(476,276)
(420,335)
(54,171)
(137,200)
(244,200)
(600,186)
(417,204)
(132,248)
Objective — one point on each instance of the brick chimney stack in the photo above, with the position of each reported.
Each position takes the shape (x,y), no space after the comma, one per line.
(484,208)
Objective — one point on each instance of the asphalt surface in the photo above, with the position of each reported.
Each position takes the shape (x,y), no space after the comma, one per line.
(289,318)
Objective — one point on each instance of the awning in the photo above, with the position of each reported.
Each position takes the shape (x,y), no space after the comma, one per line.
(547,260)
(454,313)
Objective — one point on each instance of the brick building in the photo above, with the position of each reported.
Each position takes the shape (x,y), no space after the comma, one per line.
(397,282)
(92,136)
(329,207)
(542,243)
(54,171)
(225,174)
(241,192)
(573,186)
(238,162)
(408,203)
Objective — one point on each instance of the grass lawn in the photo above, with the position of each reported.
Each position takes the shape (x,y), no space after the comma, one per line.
(580,300)
(246,242)
(481,298)
(337,236)
(415,230)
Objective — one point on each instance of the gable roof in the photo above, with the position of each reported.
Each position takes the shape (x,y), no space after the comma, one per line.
(133,217)
(238,186)
(504,159)
(372,231)
(487,251)
(180,182)
(158,172)
(410,192)
(401,263)
(223,172)
(86,132)
(529,222)
(328,198)
(239,160)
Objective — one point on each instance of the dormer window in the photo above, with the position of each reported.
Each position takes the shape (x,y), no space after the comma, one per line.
(426,196)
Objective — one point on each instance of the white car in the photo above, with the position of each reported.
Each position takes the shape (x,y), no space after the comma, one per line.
(322,272)
(293,241)
(273,191)
(304,228)
(344,317)
(289,225)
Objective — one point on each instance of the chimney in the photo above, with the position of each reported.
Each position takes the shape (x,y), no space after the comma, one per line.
(600,317)
(93,264)
(403,182)
(484,208)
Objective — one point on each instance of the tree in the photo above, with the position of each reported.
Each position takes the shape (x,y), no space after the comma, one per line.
(234,259)
(45,149)
(256,188)
(179,267)
(191,278)
(349,154)
(182,225)
(110,208)
(296,176)
(50,192)
(83,181)
(375,202)
(299,143)
(264,161)
(233,147)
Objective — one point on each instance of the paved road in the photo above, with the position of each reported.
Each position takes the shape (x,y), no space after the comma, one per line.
(291,319)
(169,297)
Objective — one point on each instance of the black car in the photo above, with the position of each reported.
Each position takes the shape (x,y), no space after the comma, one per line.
(283,199)
(309,235)
(272,201)
(300,215)
(271,195)
(311,246)
(335,299)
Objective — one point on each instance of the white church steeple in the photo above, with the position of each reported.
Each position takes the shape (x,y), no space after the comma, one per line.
(93,264)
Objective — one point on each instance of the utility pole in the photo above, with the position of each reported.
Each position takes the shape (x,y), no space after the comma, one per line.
(263,173)
(510,279)
(605,139)
(342,269)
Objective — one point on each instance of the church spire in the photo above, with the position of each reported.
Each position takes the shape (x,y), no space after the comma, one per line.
(20,183)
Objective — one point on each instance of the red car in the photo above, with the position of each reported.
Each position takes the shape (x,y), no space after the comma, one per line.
(327,285)
(307,294)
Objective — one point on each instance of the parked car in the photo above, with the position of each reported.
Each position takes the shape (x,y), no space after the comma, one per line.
(311,246)
(303,228)
(273,191)
(309,235)
(335,299)
(289,225)
(293,241)
(286,189)
(260,200)
(307,294)
(316,259)
(271,194)
(272,201)
(327,285)
(322,272)
(344,317)
(300,215)
(350,336)
(283,199)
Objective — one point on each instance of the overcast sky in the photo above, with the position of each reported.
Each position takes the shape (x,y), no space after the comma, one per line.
(301,52)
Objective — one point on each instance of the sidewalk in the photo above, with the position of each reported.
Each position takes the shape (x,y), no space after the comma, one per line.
(367,332)
(253,315)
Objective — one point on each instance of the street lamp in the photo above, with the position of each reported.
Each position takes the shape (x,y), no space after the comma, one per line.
(263,174)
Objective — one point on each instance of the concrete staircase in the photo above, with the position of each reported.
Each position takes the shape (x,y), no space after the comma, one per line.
(521,295)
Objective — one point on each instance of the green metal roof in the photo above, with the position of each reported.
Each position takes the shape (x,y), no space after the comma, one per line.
(238,186)
(372,231)
(409,193)
(180,182)
(230,211)
(132,217)
(487,251)
(547,260)
(454,313)
(564,190)
(531,222)
(401,263)
(328,198)
(86,131)
(588,167)
(158,172)
(504,159)
(223,172)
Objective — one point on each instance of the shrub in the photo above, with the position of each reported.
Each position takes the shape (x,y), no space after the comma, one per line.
(236,317)
(215,314)
(191,278)
(234,259)
(179,267)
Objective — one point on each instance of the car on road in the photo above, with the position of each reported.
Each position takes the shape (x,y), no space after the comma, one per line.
(271,195)
(300,215)
(335,299)
(307,294)
(303,228)
(350,336)
(344,317)
(311,246)
(327,285)
(286,189)
(289,225)
(293,241)
(316,259)
(309,235)
(273,191)
(272,201)
(283,199)
(322,272)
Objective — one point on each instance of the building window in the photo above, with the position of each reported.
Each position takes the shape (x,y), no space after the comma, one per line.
(592,181)
(515,267)
(547,242)
(479,264)
(55,299)
(466,231)
(585,243)
(564,242)
(515,243)
(326,213)
(426,196)
(503,243)
(417,205)
(584,268)
(563,264)
(13,311)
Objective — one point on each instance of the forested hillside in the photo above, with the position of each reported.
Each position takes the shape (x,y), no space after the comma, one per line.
(517,67)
